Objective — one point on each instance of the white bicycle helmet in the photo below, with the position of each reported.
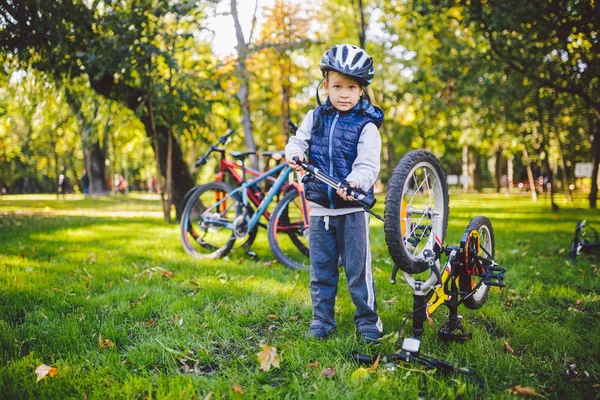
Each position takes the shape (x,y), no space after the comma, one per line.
(349,60)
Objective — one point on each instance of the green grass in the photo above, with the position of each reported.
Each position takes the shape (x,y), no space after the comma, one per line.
(72,269)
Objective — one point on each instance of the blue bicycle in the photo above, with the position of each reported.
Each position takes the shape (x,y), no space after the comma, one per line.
(216,215)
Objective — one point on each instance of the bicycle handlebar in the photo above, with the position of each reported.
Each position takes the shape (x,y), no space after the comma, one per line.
(214,147)
(366,200)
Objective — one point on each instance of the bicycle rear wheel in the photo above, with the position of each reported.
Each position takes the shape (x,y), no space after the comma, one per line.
(288,235)
(486,251)
(416,210)
(203,231)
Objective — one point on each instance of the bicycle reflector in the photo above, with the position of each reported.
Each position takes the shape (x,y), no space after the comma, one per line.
(472,247)
(403,224)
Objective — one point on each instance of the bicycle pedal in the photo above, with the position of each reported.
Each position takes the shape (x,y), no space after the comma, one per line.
(493,275)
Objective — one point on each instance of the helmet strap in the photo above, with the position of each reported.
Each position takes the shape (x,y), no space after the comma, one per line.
(317,92)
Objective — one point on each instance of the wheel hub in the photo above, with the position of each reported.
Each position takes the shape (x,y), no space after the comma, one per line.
(240,227)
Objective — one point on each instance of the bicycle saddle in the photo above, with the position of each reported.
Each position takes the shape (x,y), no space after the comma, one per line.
(240,155)
(276,155)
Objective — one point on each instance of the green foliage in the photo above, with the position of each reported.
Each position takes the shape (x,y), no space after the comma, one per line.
(72,270)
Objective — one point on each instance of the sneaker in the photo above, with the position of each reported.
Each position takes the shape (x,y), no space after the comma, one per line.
(318,332)
(370,336)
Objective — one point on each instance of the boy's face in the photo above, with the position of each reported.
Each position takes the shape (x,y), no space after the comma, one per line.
(344,91)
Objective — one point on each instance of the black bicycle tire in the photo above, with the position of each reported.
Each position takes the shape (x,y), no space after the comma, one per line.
(186,224)
(465,281)
(278,253)
(392,213)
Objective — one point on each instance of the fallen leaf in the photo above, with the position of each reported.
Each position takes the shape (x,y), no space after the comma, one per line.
(431,323)
(312,365)
(42,370)
(104,343)
(269,263)
(196,284)
(523,391)
(328,373)
(209,395)
(237,389)
(167,274)
(251,277)
(294,318)
(272,316)
(561,251)
(390,301)
(110,283)
(16,279)
(268,357)
(379,270)
(508,348)
(375,365)
(359,375)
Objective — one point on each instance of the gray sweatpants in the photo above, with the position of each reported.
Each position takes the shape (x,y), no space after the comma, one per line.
(346,235)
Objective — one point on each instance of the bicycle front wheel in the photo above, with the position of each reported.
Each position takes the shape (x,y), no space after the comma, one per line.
(203,223)
(486,251)
(288,235)
(416,210)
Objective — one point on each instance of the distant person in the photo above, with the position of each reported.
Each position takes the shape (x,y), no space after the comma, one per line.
(117,183)
(62,184)
(342,137)
(123,185)
(85,182)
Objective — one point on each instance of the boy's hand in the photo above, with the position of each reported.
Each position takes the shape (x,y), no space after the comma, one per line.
(342,191)
(292,164)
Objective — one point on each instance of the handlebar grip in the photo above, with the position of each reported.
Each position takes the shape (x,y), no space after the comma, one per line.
(201,161)
(362,197)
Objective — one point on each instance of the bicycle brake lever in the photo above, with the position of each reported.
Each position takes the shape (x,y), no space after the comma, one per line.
(429,258)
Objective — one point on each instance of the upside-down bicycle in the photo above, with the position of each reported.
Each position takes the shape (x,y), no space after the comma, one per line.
(415,222)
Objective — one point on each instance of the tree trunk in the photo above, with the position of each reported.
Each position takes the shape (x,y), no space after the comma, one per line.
(527,163)
(476,170)
(243,91)
(561,159)
(498,174)
(545,148)
(595,161)
(465,167)
(509,173)
(93,156)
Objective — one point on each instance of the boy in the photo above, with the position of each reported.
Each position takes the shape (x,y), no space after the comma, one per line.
(343,140)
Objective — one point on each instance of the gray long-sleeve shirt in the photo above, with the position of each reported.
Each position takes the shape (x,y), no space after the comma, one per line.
(364,169)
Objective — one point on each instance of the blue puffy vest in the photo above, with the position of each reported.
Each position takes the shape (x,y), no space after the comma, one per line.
(333,147)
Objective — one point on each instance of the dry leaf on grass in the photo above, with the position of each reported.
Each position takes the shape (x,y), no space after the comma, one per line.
(268,357)
(312,365)
(508,348)
(375,365)
(523,391)
(272,316)
(237,389)
(42,370)
(328,373)
(104,343)
(390,301)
